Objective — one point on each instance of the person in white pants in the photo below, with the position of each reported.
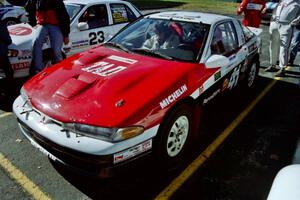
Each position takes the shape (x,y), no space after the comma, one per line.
(286,16)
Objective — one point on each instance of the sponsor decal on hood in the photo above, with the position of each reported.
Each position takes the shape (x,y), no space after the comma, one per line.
(103,68)
(122,59)
(20,31)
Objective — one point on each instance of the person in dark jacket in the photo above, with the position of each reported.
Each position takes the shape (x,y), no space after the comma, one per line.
(51,19)
(5,40)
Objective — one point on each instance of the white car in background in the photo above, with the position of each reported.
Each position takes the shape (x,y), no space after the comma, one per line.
(11,14)
(92,23)
(286,184)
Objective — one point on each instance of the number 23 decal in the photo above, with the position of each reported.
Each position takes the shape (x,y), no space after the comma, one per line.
(96,38)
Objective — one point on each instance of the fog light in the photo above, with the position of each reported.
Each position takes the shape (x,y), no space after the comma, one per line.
(12,53)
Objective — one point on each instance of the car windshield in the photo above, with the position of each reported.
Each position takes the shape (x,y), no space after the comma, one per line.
(73,10)
(168,39)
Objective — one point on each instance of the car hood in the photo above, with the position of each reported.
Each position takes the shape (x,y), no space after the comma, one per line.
(22,36)
(106,87)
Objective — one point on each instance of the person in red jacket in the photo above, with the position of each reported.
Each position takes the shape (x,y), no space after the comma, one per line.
(253,9)
(50,18)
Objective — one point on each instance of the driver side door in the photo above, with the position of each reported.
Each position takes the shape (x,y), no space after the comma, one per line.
(95,30)
(225,43)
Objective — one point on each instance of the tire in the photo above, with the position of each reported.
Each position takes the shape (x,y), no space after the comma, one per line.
(252,74)
(11,21)
(174,136)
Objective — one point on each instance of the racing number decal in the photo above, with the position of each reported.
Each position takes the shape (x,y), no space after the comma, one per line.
(96,38)
(234,77)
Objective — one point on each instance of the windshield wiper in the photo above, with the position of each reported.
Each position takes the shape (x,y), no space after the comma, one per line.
(153,53)
(116,45)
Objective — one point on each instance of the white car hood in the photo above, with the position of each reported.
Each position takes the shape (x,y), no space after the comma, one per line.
(22,34)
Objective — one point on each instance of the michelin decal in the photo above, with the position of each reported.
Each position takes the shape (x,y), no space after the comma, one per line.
(172,97)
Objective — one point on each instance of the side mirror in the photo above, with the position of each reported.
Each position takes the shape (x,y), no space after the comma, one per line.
(215,61)
(82,26)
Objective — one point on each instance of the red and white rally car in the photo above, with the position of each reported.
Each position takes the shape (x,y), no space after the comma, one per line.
(139,93)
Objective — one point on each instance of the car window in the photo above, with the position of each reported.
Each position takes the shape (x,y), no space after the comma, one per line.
(182,41)
(95,16)
(73,10)
(121,13)
(224,40)
(131,16)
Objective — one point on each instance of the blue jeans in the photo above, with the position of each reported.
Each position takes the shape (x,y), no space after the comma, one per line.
(56,42)
(295,45)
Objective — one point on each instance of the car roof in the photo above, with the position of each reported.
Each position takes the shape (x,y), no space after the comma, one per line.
(86,2)
(207,18)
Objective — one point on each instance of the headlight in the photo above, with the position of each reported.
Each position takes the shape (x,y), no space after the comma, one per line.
(12,53)
(107,134)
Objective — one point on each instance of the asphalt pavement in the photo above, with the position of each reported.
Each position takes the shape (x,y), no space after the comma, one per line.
(242,167)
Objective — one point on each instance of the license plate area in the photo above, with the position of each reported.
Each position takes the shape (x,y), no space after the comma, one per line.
(44,151)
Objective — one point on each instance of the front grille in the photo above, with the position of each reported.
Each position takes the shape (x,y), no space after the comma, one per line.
(70,157)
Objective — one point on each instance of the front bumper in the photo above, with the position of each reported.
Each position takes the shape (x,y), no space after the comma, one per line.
(90,156)
(81,163)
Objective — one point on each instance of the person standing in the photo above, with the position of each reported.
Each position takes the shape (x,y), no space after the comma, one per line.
(253,9)
(52,20)
(5,40)
(163,38)
(286,16)
(295,45)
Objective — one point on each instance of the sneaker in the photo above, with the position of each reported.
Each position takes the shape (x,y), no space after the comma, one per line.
(281,72)
(271,68)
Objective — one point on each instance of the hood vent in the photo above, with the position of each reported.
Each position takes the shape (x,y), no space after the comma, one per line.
(75,85)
